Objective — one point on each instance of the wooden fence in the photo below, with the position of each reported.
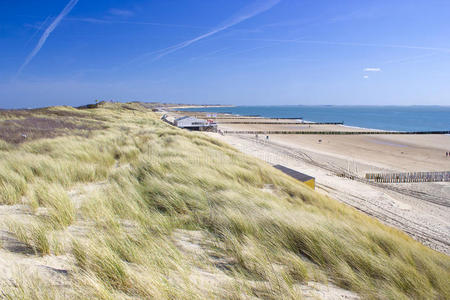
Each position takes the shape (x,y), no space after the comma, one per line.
(409,177)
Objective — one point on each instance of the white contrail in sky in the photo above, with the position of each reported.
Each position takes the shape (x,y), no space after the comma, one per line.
(250,11)
(351,44)
(46,34)
(105,21)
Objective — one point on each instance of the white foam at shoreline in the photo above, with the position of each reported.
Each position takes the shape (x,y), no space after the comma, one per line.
(373,129)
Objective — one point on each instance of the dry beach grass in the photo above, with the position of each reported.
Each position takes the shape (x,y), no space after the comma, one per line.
(134,208)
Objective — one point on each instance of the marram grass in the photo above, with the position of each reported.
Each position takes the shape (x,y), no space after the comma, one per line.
(146,180)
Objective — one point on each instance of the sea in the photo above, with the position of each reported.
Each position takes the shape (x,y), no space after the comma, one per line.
(393,118)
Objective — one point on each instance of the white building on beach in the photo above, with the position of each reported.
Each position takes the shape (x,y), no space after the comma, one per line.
(193,123)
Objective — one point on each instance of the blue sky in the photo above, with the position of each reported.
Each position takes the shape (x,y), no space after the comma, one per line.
(371,52)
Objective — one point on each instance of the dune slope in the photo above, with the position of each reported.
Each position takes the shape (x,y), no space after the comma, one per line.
(111,202)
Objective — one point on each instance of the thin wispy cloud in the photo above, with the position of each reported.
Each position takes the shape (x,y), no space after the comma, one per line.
(46,34)
(372,70)
(256,8)
(352,44)
(211,54)
(121,12)
(246,50)
(39,25)
(361,14)
(38,28)
(366,76)
(409,59)
(109,21)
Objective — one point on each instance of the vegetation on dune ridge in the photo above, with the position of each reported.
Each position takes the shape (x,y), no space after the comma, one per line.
(147,181)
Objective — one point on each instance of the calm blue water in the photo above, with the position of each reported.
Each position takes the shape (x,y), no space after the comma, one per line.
(409,118)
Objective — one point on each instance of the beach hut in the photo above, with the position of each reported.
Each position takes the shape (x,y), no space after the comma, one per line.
(306,179)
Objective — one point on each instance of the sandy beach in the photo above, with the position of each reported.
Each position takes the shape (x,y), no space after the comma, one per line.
(375,153)
(420,209)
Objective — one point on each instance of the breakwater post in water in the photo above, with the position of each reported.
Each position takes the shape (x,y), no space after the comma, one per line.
(409,177)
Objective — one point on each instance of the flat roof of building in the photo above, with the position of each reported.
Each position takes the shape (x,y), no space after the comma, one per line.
(295,174)
(186,117)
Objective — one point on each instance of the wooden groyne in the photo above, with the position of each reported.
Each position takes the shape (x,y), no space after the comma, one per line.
(268,118)
(229,118)
(298,118)
(409,177)
(282,123)
(255,117)
(267,132)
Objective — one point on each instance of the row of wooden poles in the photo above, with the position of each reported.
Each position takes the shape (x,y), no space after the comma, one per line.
(279,123)
(409,177)
(330,132)
(255,117)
